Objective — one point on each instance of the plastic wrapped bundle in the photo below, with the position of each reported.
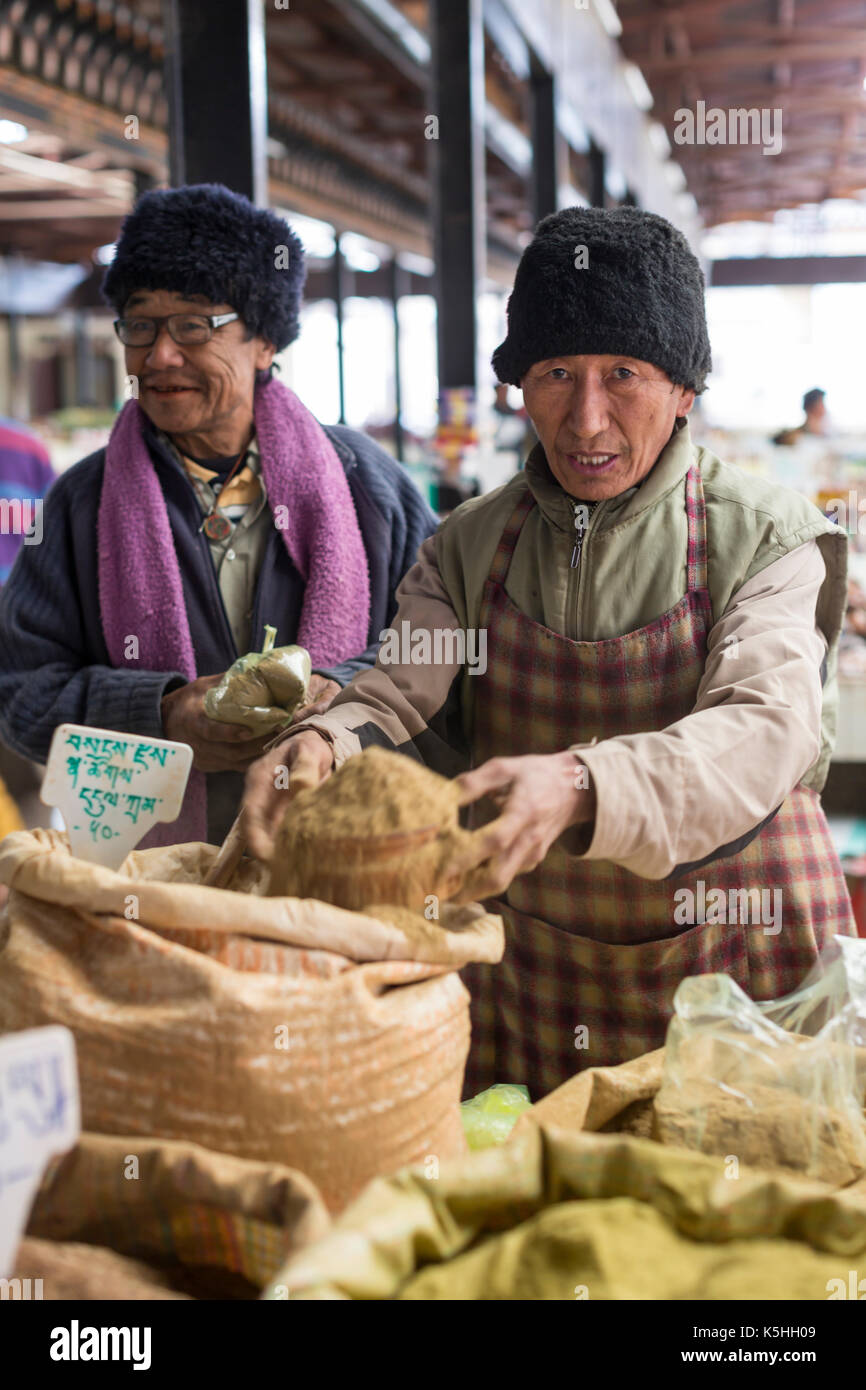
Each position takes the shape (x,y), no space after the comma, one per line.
(777,1084)
(262,690)
(489,1117)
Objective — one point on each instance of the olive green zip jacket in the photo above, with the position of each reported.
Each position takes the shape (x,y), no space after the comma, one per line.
(761,723)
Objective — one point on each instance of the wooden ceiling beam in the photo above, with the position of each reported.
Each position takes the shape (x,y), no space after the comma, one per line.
(793,148)
(742,158)
(711,188)
(59,210)
(667,117)
(363,31)
(93,159)
(398,119)
(807,188)
(73,179)
(334,67)
(290,30)
(683,49)
(754,55)
(648,16)
(751,212)
(751,32)
(803,190)
(752,94)
(849,138)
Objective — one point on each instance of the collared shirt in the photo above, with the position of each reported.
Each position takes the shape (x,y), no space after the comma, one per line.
(238,558)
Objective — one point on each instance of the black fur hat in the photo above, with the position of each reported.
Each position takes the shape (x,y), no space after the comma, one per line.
(640,293)
(204,239)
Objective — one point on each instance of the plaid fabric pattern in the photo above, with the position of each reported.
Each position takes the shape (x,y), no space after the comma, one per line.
(594,953)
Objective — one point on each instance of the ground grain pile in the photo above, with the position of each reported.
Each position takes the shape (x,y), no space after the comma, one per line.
(383,829)
(768,1128)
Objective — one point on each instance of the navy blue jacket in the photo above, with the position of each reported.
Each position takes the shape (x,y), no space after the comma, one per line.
(54,664)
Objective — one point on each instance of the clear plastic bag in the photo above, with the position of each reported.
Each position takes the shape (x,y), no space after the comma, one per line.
(489,1117)
(263,689)
(774,1085)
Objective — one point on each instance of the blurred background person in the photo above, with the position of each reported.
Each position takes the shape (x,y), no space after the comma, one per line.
(816,419)
(25,477)
(513,432)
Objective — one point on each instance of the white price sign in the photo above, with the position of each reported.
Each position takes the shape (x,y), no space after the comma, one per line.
(39,1117)
(111,788)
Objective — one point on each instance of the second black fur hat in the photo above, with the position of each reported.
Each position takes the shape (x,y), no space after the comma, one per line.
(621,281)
(204,239)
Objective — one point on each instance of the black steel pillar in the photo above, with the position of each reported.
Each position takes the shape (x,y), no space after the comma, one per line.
(596,191)
(457,158)
(340,275)
(217,90)
(399,286)
(542,120)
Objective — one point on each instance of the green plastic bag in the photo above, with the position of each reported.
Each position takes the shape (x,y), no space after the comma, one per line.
(489,1117)
(263,689)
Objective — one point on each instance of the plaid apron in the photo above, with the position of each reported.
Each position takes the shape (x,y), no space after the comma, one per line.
(593,952)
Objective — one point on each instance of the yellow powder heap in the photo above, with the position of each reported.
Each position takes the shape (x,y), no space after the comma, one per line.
(376,793)
(383,829)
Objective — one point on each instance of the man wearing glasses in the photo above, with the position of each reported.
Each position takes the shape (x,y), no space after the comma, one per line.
(219,506)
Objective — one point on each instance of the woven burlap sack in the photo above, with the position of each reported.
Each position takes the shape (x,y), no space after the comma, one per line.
(277,1029)
(196,1223)
(71,1271)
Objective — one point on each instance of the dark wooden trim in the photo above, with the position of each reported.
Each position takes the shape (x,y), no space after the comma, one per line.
(788,270)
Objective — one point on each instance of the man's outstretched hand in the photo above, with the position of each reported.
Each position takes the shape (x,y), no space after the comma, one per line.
(320,693)
(538,796)
(302,761)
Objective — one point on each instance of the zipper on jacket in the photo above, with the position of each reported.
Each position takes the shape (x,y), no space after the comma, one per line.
(582,529)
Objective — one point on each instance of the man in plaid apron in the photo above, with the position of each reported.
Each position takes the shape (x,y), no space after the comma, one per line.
(653,715)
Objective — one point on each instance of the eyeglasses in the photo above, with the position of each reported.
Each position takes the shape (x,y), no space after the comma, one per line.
(185,329)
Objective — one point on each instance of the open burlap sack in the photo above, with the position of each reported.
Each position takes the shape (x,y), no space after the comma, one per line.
(613,1100)
(770,1128)
(562,1214)
(278,1029)
(64,1271)
(121,1217)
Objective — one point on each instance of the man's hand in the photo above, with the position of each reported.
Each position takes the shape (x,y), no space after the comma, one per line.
(216,747)
(304,760)
(319,696)
(538,798)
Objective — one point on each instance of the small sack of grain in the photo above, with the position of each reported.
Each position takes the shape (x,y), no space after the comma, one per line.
(384,829)
(738,1084)
(263,689)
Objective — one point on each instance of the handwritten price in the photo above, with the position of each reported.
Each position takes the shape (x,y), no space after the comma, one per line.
(99,830)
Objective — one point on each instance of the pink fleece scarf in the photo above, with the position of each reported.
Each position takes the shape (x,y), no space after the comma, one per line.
(140,590)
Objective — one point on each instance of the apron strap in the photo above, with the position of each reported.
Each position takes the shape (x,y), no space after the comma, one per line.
(507,541)
(696,512)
